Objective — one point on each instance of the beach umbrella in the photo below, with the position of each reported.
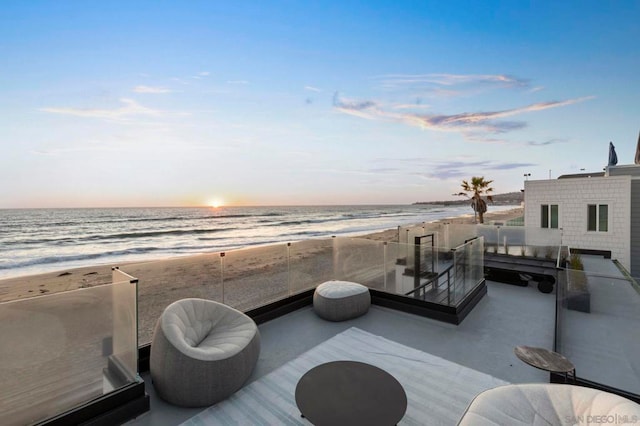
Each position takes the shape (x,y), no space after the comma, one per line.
(637,160)
(613,158)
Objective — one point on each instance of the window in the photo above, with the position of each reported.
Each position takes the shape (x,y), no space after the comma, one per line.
(549,216)
(554,216)
(598,217)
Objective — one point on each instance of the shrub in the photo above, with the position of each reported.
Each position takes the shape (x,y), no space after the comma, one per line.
(575,262)
(548,252)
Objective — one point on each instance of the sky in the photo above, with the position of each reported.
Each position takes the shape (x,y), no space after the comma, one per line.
(173,103)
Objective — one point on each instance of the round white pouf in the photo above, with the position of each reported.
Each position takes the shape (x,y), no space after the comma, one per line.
(341,300)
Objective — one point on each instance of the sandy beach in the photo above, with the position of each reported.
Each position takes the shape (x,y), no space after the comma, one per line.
(283,269)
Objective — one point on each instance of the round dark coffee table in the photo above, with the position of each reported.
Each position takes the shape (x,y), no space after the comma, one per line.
(350,393)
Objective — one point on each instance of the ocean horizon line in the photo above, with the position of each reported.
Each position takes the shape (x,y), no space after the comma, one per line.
(223,206)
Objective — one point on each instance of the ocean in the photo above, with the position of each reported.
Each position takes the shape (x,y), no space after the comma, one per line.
(43,240)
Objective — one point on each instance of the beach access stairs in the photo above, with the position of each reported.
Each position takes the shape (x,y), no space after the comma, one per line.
(435,275)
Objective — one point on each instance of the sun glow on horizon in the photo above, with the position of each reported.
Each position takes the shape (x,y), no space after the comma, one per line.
(215,203)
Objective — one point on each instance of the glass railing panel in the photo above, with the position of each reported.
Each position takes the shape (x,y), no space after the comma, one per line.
(310,264)
(435,231)
(416,231)
(403,235)
(518,221)
(456,235)
(458,272)
(542,243)
(440,231)
(492,238)
(562,256)
(434,226)
(256,276)
(163,282)
(468,268)
(477,259)
(521,241)
(598,326)
(359,260)
(123,363)
(397,275)
(56,351)
(406,234)
(405,250)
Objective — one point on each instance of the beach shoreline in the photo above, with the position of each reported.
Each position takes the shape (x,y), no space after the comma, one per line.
(90,276)
(253,276)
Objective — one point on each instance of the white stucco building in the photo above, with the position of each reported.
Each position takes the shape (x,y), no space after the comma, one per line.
(596,211)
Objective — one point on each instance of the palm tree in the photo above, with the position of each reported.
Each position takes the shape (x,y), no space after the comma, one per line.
(478,187)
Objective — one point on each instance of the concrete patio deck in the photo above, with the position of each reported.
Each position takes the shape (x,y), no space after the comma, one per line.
(506,317)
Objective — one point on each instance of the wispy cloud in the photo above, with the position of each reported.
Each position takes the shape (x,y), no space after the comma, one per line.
(362,109)
(312,89)
(151,90)
(485,139)
(484,120)
(437,81)
(547,142)
(454,168)
(445,170)
(385,170)
(180,80)
(200,75)
(466,122)
(64,151)
(510,166)
(416,105)
(477,137)
(129,109)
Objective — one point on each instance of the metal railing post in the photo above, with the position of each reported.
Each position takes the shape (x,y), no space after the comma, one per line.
(416,262)
(222,273)
(448,287)
(384,264)
(289,268)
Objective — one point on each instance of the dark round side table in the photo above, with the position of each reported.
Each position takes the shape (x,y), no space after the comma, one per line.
(547,360)
(350,393)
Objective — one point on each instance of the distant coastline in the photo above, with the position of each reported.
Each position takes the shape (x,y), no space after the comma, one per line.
(506,199)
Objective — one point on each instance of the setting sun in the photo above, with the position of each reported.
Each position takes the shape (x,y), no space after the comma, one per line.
(216,203)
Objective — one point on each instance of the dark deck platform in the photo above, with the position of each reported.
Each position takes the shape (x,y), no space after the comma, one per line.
(518,270)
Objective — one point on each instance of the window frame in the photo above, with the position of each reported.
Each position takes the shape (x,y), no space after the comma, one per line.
(595,217)
(550,216)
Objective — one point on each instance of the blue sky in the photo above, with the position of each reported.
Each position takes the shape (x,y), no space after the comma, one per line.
(284,103)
